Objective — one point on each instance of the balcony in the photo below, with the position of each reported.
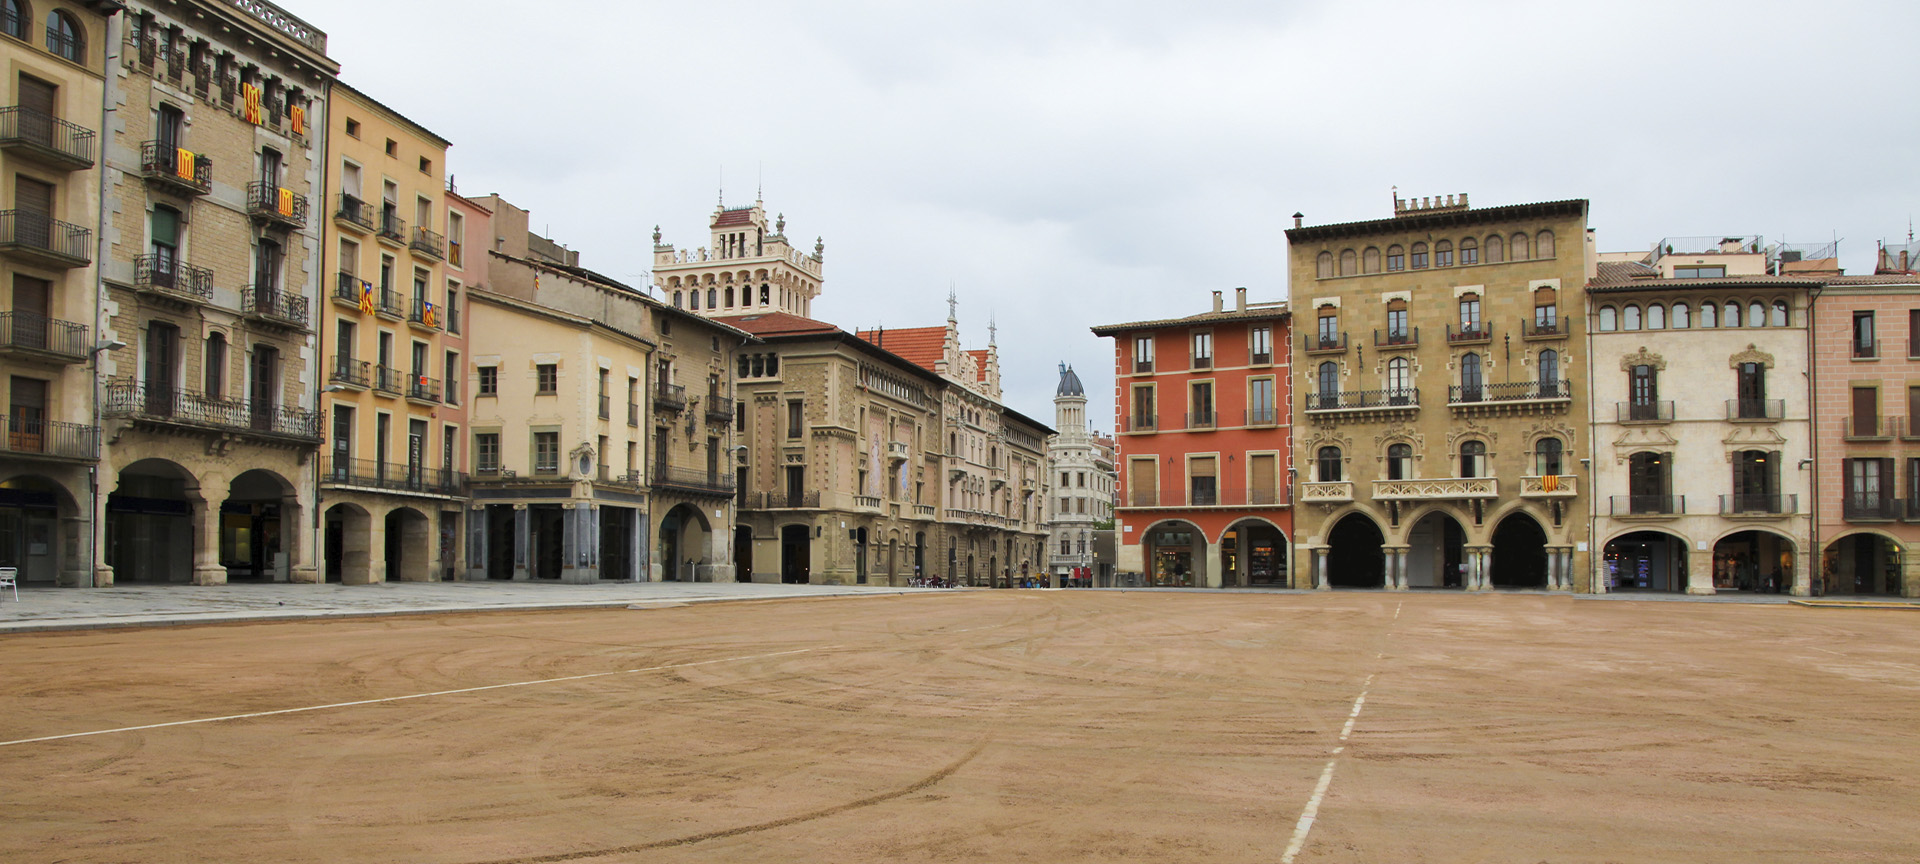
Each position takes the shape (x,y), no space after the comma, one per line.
(1516,397)
(1855,507)
(924,511)
(34,337)
(1756,410)
(348,290)
(176,169)
(1476,333)
(1260,417)
(270,306)
(779,501)
(1871,428)
(428,244)
(45,139)
(350,373)
(1323,344)
(1199,363)
(870,503)
(1865,349)
(1655,411)
(633,413)
(1647,506)
(1142,367)
(669,397)
(606,407)
(1200,420)
(1436,489)
(1555,329)
(1364,404)
(33,437)
(1549,486)
(387,379)
(1395,340)
(1758,506)
(39,239)
(1335,492)
(391,228)
(179,408)
(423,390)
(1139,424)
(719,409)
(423,315)
(386,304)
(695,481)
(276,206)
(162,276)
(370,474)
(896,451)
(1261,358)
(1180,497)
(354,214)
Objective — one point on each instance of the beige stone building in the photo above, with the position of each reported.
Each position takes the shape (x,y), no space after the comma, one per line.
(55,56)
(393,483)
(212,267)
(1438,426)
(749,269)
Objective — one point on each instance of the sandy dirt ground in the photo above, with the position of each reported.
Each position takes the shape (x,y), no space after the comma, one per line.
(979,726)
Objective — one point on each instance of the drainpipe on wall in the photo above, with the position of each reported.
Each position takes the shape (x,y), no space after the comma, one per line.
(1815,555)
(318,519)
(94,515)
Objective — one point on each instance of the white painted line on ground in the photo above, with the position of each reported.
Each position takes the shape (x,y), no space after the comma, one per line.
(1396,609)
(1305,825)
(410,696)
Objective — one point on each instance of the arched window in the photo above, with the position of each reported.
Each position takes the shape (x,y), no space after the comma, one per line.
(1396,258)
(1327,466)
(1472,387)
(1630,318)
(1518,248)
(16,19)
(1656,316)
(1550,374)
(1708,311)
(1608,322)
(1756,314)
(765,290)
(1399,381)
(1324,265)
(1419,256)
(1329,384)
(64,37)
(679,301)
(729,296)
(710,298)
(1543,245)
(1732,318)
(1443,254)
(1348,263)
(1469,251)
(1547,457)
(1780,314)
(214,365)
(1496,249)
(1399,462)
(696,300)
(1370,260)
(1680,321)
(1473,459)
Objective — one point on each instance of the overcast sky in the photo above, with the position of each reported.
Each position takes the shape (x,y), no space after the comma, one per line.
(1065,164)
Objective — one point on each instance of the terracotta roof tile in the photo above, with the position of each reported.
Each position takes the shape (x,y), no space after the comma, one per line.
(737,216)
(780,324)
(979,364)
(921,346)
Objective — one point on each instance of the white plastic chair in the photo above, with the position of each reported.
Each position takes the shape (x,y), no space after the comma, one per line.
(8,580)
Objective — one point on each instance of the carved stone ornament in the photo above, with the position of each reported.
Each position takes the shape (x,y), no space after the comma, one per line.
(1642,439)
(1547,429)
(1642,357)
(1472,429)
(1752,355)
(1325,437)
(1400,433)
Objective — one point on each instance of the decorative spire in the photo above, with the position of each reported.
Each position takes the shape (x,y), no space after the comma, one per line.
(993,331)
(656,235)
(953,304)
(819,247)
(780,225)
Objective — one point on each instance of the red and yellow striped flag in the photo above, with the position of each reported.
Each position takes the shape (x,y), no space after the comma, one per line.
(252,96)
(299,120)
(286,201)
(366,297)
(183,164)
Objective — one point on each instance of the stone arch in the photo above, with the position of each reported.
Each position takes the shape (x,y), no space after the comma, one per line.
(408,548)
(1645,559)
(685,540)
(1174,553)
(347,545)
(1261,553)
(1355,555)
(157,520)
(260,526)
(1520,556)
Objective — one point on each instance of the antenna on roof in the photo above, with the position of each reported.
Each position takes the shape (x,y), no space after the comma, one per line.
(759,182)
(723,185)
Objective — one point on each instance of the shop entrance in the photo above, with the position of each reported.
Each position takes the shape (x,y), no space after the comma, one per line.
(1760,562)
(1433,552)
(1174,552)
(1519,553)
(1862,564)
(796,551)
(1254,552)
(1646,561)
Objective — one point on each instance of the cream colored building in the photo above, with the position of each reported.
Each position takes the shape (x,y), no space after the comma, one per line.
(212,268)
(1083,497)
(393,483)
(750,268)
(50,149)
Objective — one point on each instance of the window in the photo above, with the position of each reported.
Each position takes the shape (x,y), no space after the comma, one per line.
(452,312)
(1327,466)
(711,294)
(1518,250)
(1144,417)
(1260,402)
(1780,315)
(694,301)
(1397,332)
(1472,386)
(1547,457)
(1732,316)
(1200,405)
(796,419)
(486,452)
(1469,251)
(1203,350)
(1863,346)
(1370,260)
(1750,385)
(426,165)
(1756,314)
(546,452)
(266,266)
(1329,325)
(456,236)
(1630,317)
(489,380)
(1699,272)
(1543,245)
(353,127)
(453,377)
(1419,256)
(1549,369)
(215,366)
(1443,254)
(64,38)
(15,20)
(1323,265)
(1643,393)
(1647,483)
(165,245)
(1868,482)
(1546,317)
(1202,481)
(1399,462)
(1396,258)
(1399,381)
(1143,353)
(1469,314)
(1347,263)
(1708,315)
(606,396)
(1866,413)
(1496,249)
(1473,459)
(1656,317)
(393,147)
(1329,385)
(1680,319)
(546,379)
(1262,344)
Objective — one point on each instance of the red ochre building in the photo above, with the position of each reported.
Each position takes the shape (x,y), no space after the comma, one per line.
(1205,444)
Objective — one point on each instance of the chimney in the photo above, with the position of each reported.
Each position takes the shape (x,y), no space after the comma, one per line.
(1239,299)
(1216,301)
(1297,217)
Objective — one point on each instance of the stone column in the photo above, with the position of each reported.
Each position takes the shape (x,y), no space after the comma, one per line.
(477,543)
(1396,567)
(1699,571)
(522,541)
(106,479)
(206,540)
(1320,569)
(76,536)
(1477,560)
(1215,555)
(296,540)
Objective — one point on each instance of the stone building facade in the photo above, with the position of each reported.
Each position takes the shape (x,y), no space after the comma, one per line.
(56,58)
(1439,428)
(751,268)
(211,265)
(1082,500)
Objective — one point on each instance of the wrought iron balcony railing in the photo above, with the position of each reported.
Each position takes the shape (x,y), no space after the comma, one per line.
(1391,399)
(1468,333)
(349,372)
(1756,409)
(1512,391)
(1140,423)
(276,205)
(693,480)
(395,477)
(1647,505)
(429,243)
(35,334)
(669,397)
(719,409)
(354,213)
(1546,329)
(424,314)
(1201,496)
(42,239)
(177,168)
(1649,411)
(138,400)
(1315,343)
(1855,506)
(279,307)
(1759,504)
(1261,417)
(387,379)
(420,388)
(163,274)
(1397,338)
(391,228)
(45,138)
(34,436)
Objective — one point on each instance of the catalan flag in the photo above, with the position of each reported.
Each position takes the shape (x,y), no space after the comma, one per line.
(426,313)
(286,202)
(1550,483)
(251,93)
(183,163)
(366,297)
(299,120)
